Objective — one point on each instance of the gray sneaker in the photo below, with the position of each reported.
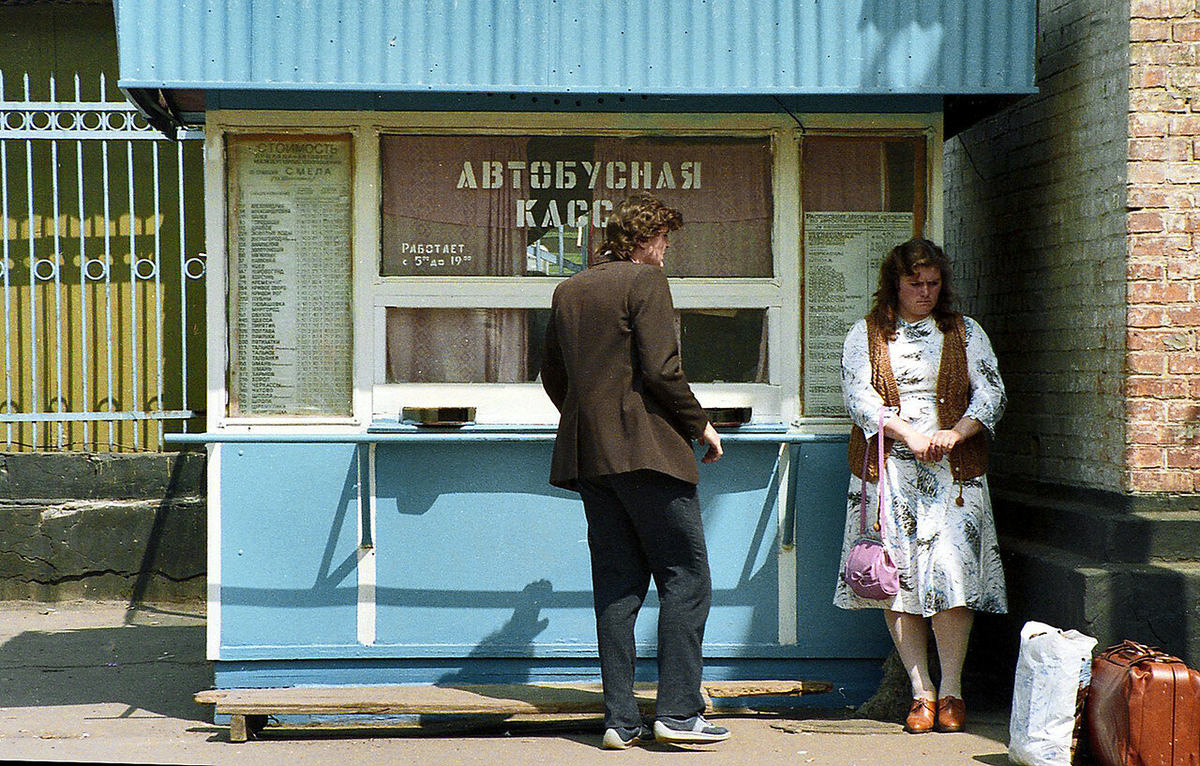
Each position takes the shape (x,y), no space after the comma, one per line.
(689,731)
(622,738)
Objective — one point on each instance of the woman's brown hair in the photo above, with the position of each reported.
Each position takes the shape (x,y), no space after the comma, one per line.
(639,217)
(903,261)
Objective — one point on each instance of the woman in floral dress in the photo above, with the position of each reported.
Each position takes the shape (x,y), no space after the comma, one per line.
(934,375)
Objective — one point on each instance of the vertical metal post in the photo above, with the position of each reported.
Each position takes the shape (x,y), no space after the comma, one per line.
(183,277)
(84,372)
(57,268)
(8,366)
(562,252)
(158,304)
(33,357)
(7,293)
(133,297)
(108,324)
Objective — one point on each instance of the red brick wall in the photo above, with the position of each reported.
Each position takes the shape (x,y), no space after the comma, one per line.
(1162,386)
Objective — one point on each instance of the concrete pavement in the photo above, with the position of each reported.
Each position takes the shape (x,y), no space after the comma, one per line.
(93,681)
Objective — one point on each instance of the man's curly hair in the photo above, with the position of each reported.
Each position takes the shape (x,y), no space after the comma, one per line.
(637,218)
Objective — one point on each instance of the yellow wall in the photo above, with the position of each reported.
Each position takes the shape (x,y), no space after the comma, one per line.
(57,348)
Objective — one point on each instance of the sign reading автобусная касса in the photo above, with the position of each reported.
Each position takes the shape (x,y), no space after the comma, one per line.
(532,205)
(615,177)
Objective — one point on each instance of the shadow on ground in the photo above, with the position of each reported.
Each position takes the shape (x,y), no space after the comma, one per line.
(145,667)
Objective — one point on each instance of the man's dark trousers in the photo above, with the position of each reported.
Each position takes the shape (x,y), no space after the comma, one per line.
(646,524)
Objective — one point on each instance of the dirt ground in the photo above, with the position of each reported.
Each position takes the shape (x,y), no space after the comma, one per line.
(89,681)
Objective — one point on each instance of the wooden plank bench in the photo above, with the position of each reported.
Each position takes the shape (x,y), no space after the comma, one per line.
(249,709)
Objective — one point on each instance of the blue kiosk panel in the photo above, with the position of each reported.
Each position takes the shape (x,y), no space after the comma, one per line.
(478,555)
(739,500)
(288,545)
(481,569)
(824,630)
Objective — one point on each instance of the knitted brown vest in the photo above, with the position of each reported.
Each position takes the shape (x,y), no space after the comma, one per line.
(969,458)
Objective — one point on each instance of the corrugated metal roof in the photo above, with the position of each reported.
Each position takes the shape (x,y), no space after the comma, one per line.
(581,46)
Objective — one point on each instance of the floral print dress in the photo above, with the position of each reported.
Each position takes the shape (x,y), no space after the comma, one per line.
(947,554)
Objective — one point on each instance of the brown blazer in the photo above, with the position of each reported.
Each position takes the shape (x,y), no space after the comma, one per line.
(612,367)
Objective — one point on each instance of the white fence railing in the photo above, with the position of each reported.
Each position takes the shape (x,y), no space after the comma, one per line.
(102,273)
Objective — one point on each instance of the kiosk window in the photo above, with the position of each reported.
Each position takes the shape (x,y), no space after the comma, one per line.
(505,345)
(464,345)
(724,345)
(865,174)
(290,277)
(476,229)
(861,198)
(536,206)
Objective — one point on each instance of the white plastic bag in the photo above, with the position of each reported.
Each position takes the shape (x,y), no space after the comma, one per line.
(1054,668)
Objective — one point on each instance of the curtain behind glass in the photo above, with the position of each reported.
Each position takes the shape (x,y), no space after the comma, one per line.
(458,346)
(726,201)
(422,205)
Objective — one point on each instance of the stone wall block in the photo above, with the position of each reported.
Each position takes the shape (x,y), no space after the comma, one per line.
(1185,31)
(126,527)
(1144,457)
(91,476)
(1164,481)
(1143,222)
(102,549)
(1183,316)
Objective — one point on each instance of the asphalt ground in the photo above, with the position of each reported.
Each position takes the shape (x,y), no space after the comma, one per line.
(98,682)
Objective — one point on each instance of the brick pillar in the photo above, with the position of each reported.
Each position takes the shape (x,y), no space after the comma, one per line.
(1162,386)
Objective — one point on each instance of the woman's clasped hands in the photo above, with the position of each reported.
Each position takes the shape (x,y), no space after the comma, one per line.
(940,445)
(931,449)
(928,449)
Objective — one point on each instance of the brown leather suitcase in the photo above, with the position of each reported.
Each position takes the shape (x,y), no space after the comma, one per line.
(1143,708)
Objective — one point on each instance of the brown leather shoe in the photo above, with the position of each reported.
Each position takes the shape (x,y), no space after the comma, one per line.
(951,714)
(920,716)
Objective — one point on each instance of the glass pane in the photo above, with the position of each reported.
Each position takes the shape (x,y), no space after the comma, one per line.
(559,225)
(724,345)
(862,197)
(536,206)
(291,336)
(900,167)
(864,174)
(505,345)
(465,345)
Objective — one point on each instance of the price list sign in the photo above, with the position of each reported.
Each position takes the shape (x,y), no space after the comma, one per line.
(842,253)
(290,285)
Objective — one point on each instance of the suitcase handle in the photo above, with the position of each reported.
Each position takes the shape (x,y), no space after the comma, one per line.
(1131,652)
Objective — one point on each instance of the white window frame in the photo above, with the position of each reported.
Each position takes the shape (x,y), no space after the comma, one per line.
(526,403)
(929,127)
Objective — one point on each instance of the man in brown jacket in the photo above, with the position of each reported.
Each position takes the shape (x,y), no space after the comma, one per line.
(627,418)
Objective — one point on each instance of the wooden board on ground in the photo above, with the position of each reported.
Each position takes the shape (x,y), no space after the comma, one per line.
(248,708)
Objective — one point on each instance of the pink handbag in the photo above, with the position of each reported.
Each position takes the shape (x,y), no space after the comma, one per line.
(869,570)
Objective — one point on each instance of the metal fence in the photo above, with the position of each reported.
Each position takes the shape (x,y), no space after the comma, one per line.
(103,294)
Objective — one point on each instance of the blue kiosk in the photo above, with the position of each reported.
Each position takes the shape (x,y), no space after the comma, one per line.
(393,191)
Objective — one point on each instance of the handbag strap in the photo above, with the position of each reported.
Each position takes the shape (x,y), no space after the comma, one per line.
(862,517)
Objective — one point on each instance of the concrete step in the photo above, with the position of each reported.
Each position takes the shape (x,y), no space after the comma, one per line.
(1098,527)
(1155,603)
